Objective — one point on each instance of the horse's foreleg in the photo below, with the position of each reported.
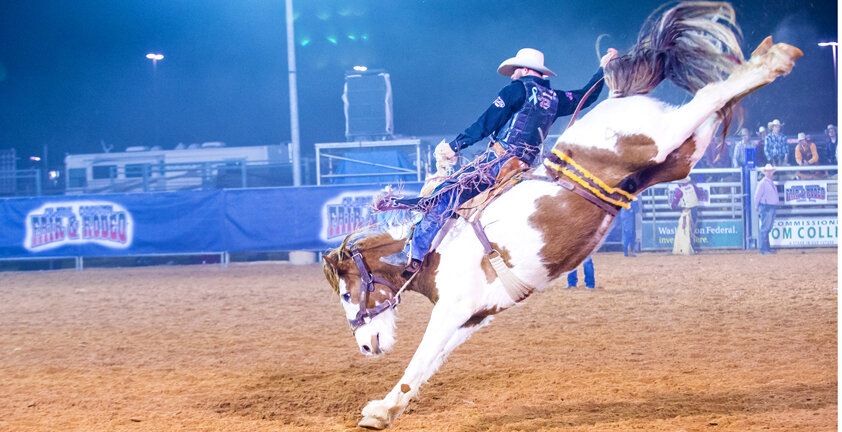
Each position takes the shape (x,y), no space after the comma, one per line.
(444,333)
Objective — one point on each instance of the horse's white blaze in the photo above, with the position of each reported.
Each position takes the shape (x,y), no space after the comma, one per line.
(381,328)
(350,308)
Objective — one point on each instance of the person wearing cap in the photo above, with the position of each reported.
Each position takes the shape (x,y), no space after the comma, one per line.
(687,199)
(518,121)
(766,201)
(775,147)
(830,148)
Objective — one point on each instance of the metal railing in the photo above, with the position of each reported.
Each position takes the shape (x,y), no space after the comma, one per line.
(167,177)
(21,182)
(826,208)
(729,203)
(331,156)
(723,205)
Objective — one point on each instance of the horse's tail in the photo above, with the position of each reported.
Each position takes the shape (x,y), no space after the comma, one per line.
(690,43)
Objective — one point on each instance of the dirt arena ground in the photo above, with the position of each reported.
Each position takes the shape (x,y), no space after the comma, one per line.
(732,341)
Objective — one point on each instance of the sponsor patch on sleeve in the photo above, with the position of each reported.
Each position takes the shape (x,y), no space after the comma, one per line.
(569,95)
(499,102)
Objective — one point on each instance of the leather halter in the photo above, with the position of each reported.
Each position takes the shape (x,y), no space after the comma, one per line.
(365,315)
(586,185)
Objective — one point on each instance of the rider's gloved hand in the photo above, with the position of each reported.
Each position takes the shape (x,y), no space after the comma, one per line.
(611,54)
(444,152)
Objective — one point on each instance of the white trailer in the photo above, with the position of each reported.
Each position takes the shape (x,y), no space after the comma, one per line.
(210,165)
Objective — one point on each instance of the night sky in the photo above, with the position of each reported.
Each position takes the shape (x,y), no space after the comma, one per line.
(74,73)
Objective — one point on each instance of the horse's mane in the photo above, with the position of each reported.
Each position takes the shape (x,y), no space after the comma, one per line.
(692,44)
(364,240)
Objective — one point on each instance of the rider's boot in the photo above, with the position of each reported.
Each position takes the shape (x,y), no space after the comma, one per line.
(412,255)
(402,259)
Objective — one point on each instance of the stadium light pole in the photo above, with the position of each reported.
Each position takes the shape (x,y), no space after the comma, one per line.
(832,46)
(155,57)
(293,99)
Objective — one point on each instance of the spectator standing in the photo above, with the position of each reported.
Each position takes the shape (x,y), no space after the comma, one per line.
(806,155)
(775,145)
(830,149)
(687,198)
(587,267)
(766,203)
(628,219)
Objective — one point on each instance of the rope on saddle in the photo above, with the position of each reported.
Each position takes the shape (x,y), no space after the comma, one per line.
(515,288)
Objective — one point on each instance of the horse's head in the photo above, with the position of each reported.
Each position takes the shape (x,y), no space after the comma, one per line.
(366,288)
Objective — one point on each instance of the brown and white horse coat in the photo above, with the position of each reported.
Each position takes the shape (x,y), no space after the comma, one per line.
(542,229)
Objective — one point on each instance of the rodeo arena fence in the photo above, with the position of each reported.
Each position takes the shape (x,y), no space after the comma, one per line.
(218,201)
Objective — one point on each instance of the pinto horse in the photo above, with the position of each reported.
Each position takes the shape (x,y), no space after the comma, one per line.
(544,226)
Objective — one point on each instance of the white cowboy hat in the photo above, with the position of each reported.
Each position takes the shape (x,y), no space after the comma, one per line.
(685,180)
(768,167)
(802,136)
(830,126)
(743,131)
(775,122)
(761,130)
(527,57)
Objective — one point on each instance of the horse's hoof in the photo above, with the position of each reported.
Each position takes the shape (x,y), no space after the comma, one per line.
(763,48)
(371,422)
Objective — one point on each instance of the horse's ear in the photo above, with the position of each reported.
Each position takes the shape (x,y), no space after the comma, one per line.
(330,260)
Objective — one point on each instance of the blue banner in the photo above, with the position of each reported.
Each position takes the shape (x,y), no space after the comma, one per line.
(233,220)
(109,225)
(711,234)
(308,218)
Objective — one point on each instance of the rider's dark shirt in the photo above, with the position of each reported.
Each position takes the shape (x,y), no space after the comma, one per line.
(511,99)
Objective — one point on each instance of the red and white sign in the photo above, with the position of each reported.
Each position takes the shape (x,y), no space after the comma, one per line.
(801,192)
(77,222)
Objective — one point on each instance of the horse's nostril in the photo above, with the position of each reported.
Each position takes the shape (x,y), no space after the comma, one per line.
(366,348)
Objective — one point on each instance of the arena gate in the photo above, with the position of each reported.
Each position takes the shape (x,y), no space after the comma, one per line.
(807,216)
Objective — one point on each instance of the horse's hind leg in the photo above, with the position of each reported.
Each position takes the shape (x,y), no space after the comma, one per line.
(766,64)
(444,333)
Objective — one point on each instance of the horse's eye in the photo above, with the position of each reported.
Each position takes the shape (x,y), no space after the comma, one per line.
(346,297)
